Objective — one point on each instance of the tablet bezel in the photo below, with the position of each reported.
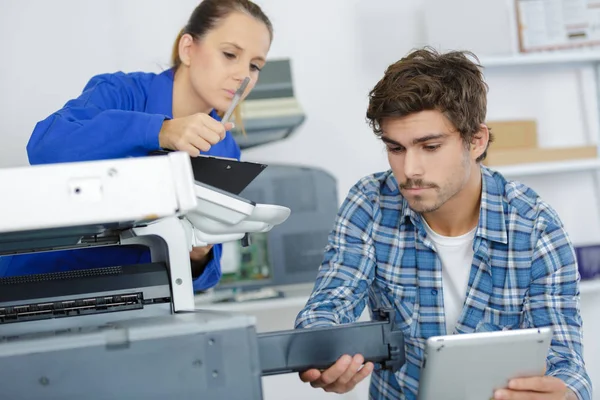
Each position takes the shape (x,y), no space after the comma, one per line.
(473,365)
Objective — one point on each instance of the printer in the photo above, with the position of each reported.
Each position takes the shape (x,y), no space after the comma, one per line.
(132,331)
(271,112)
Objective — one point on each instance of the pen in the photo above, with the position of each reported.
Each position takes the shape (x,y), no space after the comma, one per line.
(236,99)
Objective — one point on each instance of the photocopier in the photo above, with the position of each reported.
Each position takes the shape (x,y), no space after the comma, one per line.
(133,331)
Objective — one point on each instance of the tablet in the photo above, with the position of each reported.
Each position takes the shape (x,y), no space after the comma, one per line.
(227,174)
(473,365)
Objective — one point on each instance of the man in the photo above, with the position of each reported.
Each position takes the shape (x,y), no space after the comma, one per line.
(448,243)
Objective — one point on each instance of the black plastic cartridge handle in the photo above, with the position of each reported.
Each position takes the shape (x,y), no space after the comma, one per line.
(302,349)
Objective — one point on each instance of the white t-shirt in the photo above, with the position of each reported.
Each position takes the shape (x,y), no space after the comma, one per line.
(456,254)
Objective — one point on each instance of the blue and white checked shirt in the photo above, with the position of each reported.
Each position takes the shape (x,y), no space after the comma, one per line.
(524,274)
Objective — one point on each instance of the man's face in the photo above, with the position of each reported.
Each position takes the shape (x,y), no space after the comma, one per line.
(428,158)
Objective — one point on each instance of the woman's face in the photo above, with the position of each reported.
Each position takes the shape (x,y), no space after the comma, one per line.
(218,63)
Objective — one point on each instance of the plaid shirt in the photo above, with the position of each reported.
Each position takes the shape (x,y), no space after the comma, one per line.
(524,274)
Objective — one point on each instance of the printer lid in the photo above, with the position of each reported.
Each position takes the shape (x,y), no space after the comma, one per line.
(55,206)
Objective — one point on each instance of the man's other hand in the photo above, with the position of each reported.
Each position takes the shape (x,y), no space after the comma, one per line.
(535,388)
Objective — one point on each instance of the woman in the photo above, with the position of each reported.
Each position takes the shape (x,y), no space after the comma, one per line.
(132,114)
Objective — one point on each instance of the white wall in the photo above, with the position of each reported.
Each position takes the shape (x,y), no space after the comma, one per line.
(339,48)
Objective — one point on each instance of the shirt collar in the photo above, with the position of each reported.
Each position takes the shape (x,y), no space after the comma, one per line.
(492,224)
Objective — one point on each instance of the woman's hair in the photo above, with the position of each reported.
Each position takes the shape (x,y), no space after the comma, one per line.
(209,13)
(206,16)
(451,83)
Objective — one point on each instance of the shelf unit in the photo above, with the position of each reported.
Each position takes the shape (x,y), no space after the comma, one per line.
(537,59)
(566,58)
(546,168)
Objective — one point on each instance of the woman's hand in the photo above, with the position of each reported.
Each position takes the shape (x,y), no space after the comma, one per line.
(199,257)
(192,134)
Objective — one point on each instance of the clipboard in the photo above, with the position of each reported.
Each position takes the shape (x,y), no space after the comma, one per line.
(224,173)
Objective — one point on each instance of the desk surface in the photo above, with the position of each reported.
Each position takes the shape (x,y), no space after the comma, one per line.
(297,298)
(257,305)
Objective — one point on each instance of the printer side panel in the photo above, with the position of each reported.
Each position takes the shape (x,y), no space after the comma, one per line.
(151,359)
